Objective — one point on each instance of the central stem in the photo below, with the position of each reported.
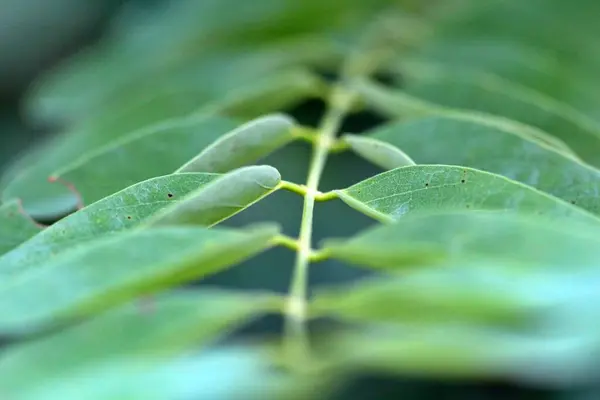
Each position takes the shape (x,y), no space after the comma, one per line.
(296,340)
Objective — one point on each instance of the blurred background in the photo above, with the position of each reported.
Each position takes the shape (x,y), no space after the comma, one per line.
(38,37)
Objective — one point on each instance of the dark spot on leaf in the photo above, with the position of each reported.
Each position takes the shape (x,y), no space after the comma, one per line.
(572,201)
(426,184)
(170,194)
(462,181)
(129,217)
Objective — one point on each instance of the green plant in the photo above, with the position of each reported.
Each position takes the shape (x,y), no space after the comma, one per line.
(485,264)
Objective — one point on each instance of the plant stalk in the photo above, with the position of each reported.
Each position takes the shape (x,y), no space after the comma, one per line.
(295,339)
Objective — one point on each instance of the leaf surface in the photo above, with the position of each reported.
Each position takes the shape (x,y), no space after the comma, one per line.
(121,211)
(114,350)
(398,104)
(424,188)
(15,226)
(380,153)
(461,140)
(469,236)
(487,93)
(246,144)
(151,152)
(112,270)
(224,197)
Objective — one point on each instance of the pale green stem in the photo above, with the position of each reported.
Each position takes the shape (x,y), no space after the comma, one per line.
(295,340)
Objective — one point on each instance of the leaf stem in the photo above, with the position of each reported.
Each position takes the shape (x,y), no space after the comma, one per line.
(303,190)
(286,241)
(295,339)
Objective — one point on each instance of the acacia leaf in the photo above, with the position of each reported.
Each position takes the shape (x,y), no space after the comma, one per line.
(397,104)
(121,211)
(462,140)
(490,94)
(446,294)
(423,188)
(380,153)
(222,198)
(111,270)
(15,226)
(468,236)
(246,144)
(142,155)
(118,346)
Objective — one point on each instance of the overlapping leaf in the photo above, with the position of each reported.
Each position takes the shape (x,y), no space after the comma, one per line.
(116,353)
(196,198)
(423,188)
(486,93)
(114,269)
(15,226)
(398,104)
(462,140)
(435,238)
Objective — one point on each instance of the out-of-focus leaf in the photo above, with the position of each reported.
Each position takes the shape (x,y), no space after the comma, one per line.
(246,144)
(114,350)
(111,270)
(487,93)
(461,140)
(120,211)
(181,140)
(151,152)
(481,293)
(432,238)
(209,40)
(398,104)
(462,351)
(222,198)
(380,153)
(15,226)
(424,188)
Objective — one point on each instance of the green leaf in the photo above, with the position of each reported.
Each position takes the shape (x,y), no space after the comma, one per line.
(378,152)
(422,188)
(224,197)
(487,93)
(121,344)
(446,294)
(15,226)
(175,141)
(123,210)
(462,140)
(401,105)
(148,153)
(111,270)
(463,352)
(437,238)
(246,144)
